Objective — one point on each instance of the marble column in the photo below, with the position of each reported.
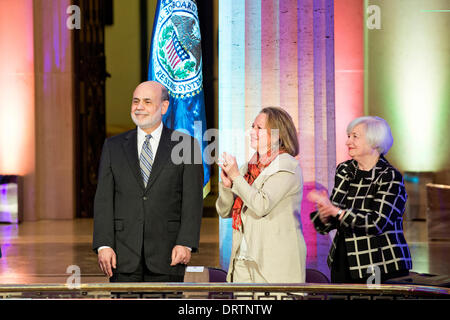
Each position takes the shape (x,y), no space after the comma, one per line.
(55,166)
(349,66)
(280,53)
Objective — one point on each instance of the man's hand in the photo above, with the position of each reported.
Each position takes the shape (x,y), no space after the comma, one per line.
(180,254)
(107,261)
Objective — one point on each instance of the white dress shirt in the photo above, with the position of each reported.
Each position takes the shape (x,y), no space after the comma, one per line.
(154,141)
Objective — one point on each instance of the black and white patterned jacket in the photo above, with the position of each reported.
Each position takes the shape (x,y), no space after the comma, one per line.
(373,219)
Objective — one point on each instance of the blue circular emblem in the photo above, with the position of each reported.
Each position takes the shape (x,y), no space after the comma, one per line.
(177,55)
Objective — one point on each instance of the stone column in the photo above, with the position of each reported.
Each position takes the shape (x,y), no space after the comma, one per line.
(316,114)
(55,166)
(287,54)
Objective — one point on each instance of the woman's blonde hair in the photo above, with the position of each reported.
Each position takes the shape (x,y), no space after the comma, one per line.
(278,118)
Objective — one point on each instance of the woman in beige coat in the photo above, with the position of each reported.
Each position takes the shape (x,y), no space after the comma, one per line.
(263,198)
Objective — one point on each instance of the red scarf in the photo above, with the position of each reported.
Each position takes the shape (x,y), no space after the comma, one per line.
(255,166)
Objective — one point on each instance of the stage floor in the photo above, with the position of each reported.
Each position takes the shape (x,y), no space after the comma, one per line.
(41,252)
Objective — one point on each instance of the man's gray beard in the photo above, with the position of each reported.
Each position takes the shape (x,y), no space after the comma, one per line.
(144,124)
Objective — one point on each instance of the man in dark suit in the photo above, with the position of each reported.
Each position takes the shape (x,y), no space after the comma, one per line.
(148,204)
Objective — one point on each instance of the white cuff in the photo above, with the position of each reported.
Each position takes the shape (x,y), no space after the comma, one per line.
(102,247)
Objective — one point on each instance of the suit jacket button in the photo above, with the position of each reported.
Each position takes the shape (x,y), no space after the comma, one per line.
(144,198)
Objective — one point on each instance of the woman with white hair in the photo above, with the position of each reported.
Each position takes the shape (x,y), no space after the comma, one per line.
(366,207)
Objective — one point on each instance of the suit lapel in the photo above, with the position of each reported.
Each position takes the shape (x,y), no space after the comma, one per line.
(131,152)
(163,152)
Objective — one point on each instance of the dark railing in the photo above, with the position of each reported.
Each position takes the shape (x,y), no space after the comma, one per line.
(224,291)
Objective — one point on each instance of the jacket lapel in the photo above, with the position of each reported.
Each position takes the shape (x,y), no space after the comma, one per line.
(131,152)
(163,152)
(278,164)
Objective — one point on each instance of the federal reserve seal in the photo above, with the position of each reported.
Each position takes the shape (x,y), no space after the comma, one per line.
(177,56)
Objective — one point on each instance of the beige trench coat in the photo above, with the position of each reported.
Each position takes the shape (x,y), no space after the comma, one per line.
(270,218)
